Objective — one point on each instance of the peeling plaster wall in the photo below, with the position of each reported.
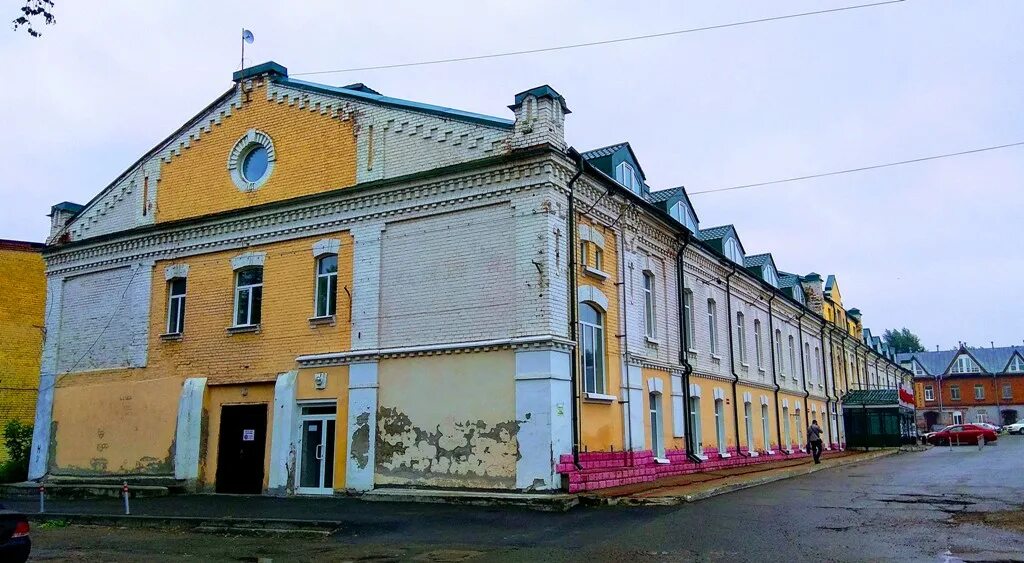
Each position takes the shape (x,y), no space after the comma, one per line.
(448,421)
(97,426)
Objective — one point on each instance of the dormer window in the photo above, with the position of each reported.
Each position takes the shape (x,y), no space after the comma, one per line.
(732,250)
(770,276)
(625,175)
(964,364)
(1016,365)
(681,212)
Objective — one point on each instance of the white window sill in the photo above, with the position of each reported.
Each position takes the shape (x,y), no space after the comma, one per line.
(716,357)
(653,341)
(599,398)
(239,329)
(744,365)
(761,371)
(661,460)
(702,457)
(752,454)
(328,320)
(691,351)
(724,455)
(594,272)
(788,452)
(171,337)
(769,452)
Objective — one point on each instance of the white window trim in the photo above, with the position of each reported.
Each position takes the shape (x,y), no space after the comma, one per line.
(316,288)
(234,310)
(929,393)
(712,326)
(649,289)
(181,307)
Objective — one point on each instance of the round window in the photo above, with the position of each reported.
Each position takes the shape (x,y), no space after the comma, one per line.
(254,164)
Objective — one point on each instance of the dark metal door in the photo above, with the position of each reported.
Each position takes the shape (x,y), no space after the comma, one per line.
(242,445)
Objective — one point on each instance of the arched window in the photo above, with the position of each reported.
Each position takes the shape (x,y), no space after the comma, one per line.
(786,430)
(792,357)
(695,425)
(748,424)
(770,275)
(657,441)
(732,250)
(765,432)
(248,296)
(817,366)
(326,285)
(720,426)
(649,320)
(807,360)
(778,352)
(741,336)
(713,326)
(592,348)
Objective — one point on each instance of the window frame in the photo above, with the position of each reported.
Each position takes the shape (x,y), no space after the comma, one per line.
(650,318)
(741,336)
(758,344)
(929,393)
(176,326)
(331,305)
(1016,365)
(712,325)
(251,288)
(954,392)
(1007,391)
(688,318)
(791,342)
(596,334)
(979,389)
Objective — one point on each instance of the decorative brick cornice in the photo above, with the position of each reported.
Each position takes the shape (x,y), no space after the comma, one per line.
(543,342)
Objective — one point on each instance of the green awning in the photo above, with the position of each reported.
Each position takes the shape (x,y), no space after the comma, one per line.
(872,398)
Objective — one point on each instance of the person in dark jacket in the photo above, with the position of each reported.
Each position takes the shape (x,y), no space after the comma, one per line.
(814,438)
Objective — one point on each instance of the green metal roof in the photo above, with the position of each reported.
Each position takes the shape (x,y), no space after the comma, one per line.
(871,398)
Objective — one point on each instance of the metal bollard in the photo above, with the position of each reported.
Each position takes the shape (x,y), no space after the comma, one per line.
(42,498)
(125,492)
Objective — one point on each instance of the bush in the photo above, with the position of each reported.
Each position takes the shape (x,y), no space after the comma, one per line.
(18,442)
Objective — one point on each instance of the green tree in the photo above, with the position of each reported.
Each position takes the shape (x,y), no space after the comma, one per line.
(18,443)
(32,12)
(902,341)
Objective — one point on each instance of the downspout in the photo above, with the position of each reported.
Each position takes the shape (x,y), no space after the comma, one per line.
(625,341)
(573,312)
(684,358)
(876,367)
(775,371)
(803,369)
(732,358)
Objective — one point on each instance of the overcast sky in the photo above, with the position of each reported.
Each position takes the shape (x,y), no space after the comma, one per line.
(935,246)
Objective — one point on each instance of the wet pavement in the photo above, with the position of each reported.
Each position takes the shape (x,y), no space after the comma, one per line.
(908,507)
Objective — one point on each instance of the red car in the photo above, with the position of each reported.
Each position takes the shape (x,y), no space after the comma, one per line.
(962,434)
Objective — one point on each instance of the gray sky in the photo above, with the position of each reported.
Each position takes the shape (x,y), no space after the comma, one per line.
(933,246)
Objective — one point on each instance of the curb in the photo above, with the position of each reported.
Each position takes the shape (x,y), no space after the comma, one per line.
(542,502)
(238,526)
(731,487)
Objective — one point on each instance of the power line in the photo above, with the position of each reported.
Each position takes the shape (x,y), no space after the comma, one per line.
(596,43)
(860,169)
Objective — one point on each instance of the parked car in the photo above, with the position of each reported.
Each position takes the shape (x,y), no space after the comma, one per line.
(15,544)
(990,426)
(1015,428)
(963,434)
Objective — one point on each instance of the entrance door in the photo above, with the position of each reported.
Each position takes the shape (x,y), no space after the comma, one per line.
(316,452)
(241,448)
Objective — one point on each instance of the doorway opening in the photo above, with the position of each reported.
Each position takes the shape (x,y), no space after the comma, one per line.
(241,449)
(317,425)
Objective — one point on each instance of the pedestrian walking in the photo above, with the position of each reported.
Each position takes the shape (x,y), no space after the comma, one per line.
(814,438)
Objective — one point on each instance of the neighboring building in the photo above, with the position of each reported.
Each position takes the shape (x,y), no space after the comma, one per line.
(310,288)
(968,385)
(22,304)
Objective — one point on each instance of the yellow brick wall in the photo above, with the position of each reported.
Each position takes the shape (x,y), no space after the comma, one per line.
(208,350)
(314,153)
(602,422)
(22,305)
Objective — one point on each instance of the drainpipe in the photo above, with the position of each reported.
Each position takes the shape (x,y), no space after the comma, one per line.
(775,370)
(803,367)
(573,312)
(732,358)
(625,340)
(684,358)
(876,366)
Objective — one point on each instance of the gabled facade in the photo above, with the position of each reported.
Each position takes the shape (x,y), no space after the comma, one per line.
(309,289)
(968,385)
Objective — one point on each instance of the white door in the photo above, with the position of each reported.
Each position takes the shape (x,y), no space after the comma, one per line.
(316,449)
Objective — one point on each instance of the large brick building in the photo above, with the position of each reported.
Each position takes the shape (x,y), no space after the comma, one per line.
(310,288)
(22,301)
(968,385)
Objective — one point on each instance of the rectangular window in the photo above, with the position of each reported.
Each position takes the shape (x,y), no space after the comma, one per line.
(817,366)
(758,343)
(327,285)
(929,393)
(649,320)
(741,337)
(954,392)
(176,306)
(688,317)
(807,359)
(1007,391)
(248,296)
(584,248)
(592,348)
(713,326)
(979,392)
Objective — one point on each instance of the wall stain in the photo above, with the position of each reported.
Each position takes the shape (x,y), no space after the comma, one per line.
(464,453)
(361,440)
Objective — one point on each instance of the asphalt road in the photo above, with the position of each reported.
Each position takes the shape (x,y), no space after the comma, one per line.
(908,507)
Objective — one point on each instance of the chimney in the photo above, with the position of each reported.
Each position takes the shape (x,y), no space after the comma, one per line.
(60,215)
(811,284)
(993,343)
(540,118)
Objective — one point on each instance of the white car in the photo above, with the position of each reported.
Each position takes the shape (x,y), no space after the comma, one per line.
(1015,428)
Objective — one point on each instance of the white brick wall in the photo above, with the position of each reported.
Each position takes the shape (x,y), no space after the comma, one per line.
(445,278)
(104,319)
